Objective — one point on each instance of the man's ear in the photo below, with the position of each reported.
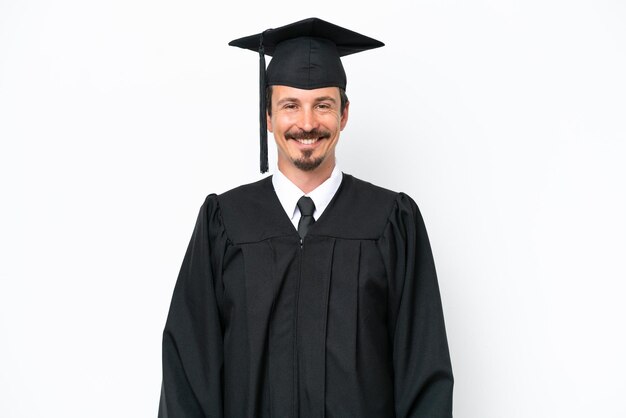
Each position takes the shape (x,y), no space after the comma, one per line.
(269,122)
(344,116)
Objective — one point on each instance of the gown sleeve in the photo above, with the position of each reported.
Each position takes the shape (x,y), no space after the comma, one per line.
(421,361)
(192,338)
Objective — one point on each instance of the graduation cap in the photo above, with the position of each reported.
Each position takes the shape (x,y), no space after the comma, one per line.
(305,55)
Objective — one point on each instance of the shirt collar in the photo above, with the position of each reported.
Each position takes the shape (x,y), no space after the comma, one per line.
(289,194)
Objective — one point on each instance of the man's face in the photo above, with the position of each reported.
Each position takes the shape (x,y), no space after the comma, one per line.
(306,125)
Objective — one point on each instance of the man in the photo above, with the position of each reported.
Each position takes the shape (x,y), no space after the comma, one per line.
(309,293)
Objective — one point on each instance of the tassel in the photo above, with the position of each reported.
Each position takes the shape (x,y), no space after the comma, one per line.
(263,108)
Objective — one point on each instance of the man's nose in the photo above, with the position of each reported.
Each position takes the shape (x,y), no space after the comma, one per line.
(308,120)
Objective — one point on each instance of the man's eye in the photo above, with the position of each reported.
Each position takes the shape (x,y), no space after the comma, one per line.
(290,106)
(323,106)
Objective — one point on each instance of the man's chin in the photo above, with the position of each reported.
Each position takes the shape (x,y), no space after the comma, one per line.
(308,164)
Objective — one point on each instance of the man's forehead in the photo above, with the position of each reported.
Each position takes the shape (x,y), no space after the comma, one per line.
(280,92)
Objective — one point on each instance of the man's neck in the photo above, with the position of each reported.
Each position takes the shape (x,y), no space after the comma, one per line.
(307,181)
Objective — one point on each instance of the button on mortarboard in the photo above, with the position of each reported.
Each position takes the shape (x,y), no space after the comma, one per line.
(306,55)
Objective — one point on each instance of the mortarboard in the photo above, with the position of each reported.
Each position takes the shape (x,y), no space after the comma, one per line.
(305,55)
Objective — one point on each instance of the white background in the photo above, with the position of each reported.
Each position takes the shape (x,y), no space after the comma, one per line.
(504,120)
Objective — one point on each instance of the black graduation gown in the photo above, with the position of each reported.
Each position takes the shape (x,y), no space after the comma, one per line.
(348,324)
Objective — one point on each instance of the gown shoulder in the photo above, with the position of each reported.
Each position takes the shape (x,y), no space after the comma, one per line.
(359,210)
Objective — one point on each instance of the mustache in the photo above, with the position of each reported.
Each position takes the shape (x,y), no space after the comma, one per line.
(312,134)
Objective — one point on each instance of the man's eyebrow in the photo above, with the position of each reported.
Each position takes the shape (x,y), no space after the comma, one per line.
(326,98)
(287,99)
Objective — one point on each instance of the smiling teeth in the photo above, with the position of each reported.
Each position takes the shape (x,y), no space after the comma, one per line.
(307,141)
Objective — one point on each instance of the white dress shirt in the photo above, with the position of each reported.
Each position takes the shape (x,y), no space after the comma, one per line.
(289,194)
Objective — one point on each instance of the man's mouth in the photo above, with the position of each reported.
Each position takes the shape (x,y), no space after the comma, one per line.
(308,137)
(308,141)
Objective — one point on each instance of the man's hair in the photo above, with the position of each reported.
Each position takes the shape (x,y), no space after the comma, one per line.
(342,95)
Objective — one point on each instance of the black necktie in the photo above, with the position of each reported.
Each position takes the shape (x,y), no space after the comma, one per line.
(307,207)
